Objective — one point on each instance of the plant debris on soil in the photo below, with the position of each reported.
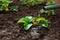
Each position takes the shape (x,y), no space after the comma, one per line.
(9,29)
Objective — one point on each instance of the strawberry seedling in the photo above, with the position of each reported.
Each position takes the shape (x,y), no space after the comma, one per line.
(26,22)
(51,11)
(29,21)
(4,5)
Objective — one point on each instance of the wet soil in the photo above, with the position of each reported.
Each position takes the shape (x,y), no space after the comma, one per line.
(9,29)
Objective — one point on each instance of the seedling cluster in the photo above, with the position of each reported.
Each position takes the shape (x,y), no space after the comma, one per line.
(31,2)
(30,21)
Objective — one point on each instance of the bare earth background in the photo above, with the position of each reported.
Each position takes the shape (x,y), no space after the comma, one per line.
(9,29)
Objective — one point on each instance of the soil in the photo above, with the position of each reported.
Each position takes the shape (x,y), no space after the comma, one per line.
(9,29)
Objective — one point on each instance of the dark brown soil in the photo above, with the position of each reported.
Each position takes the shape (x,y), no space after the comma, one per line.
(9,29)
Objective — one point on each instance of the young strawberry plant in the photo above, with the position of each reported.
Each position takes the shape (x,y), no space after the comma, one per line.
(29,21)
(51,11)
(26,22)
(4,5)
(31,2)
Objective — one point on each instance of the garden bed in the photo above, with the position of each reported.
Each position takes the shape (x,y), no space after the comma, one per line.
(9,29)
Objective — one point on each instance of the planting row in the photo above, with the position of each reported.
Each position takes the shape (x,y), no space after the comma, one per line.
(29,21)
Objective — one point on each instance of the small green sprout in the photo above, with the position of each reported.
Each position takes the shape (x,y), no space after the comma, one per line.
(29,21)
(31,2)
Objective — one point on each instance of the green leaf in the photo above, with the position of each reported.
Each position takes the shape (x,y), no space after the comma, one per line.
(14,8)
(27,26)
(22,20)
(29,18)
